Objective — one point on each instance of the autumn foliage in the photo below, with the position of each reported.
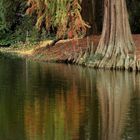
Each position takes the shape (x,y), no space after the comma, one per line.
(61,15)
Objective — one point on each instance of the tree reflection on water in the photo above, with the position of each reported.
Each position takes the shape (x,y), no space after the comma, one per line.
(88,104)
(62,102)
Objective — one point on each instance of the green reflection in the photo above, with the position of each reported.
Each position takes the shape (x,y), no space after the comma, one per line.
(41,101)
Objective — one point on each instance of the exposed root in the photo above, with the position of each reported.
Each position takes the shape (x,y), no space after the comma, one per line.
(116,62)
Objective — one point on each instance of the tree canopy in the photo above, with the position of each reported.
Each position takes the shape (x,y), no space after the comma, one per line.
(63,18)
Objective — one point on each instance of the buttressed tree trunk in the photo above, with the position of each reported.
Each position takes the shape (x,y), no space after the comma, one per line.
(116,49)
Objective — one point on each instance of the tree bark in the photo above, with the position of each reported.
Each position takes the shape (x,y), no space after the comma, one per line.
(116,48)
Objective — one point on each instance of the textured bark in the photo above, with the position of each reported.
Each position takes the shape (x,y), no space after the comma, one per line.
(116,48)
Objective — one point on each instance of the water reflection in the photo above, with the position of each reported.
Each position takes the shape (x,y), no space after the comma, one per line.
(62,102)
(114,92)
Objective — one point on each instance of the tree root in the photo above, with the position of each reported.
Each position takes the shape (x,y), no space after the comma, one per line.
(113,63)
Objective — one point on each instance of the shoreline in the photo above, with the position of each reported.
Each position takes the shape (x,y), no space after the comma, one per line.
(64,51)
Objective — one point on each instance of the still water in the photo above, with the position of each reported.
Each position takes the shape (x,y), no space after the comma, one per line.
(41,101)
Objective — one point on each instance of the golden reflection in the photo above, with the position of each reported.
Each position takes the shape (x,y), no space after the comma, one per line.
(74,113)
(56,116)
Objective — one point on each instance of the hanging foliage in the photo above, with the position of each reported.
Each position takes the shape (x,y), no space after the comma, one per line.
(62,15)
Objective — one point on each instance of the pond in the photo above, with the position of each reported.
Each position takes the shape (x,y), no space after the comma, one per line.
(40,101)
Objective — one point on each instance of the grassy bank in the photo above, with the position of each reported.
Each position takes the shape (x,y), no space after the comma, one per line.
(22,50)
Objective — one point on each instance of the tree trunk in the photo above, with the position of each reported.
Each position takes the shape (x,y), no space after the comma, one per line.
(116,48)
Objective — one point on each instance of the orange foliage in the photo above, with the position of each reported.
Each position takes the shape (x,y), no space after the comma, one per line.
(65,16)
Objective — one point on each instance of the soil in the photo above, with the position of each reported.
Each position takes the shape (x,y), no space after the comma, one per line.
(67,50)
